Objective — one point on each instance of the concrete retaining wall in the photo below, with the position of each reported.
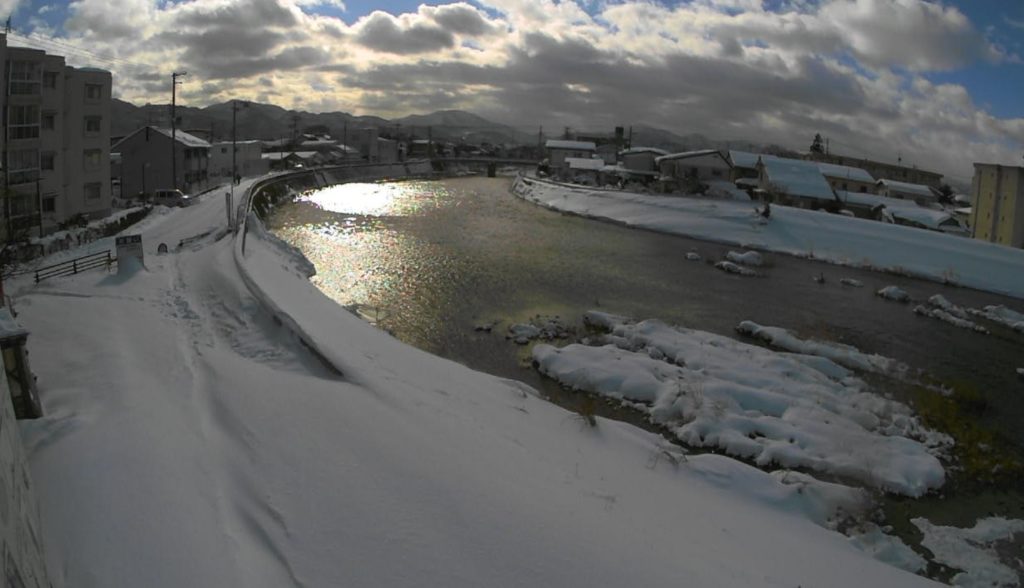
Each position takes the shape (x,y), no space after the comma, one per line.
(21,546)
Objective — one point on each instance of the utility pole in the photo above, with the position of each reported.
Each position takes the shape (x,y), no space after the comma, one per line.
(430,143)
(174,127)
(629,143)
(344,138)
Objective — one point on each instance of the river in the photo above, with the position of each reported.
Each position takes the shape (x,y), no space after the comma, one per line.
(431,261)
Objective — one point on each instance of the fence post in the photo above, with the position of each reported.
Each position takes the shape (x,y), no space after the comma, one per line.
(74,266)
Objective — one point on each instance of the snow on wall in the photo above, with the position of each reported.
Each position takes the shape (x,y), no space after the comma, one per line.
(21,547)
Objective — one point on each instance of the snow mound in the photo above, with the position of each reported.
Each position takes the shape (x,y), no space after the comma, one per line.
(851,282)
(894,293)
(844,355)
(891,550)
(751,402)
(693,256)
(732,268)
(1002,315)
(947,317)
(746,258)
(522,333)
(973,550)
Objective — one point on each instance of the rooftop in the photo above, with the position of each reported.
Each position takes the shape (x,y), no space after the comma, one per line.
(689,154)
(798,178)
(576,145)
(908,188)
(833,170)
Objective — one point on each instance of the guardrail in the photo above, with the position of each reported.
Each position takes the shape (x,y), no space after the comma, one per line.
(73,266)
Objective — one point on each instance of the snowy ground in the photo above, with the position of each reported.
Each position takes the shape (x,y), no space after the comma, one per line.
(818,235)
(191,440)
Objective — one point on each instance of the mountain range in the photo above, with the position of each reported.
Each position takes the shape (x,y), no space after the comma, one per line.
(267,121)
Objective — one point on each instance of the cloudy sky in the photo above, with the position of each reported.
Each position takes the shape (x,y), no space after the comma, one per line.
(940,84)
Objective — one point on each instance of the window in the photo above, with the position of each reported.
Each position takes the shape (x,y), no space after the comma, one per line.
(25,77)
(50,203)
(93,92)
(92,190)
(22,166)
(92,125)
(23,122)
(92,159)
(50,80)
(49,120)
(46,160)
(223,149)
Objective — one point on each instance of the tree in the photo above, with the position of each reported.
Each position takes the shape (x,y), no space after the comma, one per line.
(818,145)
(946,194)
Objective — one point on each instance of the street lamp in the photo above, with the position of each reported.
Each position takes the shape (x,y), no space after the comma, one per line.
(234,149)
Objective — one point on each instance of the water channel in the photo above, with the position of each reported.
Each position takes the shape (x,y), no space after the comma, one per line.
(430,261)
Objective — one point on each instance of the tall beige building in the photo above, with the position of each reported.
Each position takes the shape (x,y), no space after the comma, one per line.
(55,141)
(998,212)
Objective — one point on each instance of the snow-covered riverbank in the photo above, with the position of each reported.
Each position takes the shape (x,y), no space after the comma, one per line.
(191,440)
(805,233)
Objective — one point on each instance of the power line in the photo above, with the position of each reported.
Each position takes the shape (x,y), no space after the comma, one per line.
(65,46)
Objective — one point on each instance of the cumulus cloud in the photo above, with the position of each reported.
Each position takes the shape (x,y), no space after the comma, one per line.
(383,32)
(856,70)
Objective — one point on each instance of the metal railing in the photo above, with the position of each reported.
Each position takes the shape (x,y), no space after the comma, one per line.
(73,266)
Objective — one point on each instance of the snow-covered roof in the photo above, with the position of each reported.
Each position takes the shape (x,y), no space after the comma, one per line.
(9,327)
(182,137)
(906,210)
(689,154)
(276,155)
(746,158)
(907,188)
(228,143)
(574,145)
(798,178)
(922,216)
(864,199)
(636,150)
(856,174)
(585,163)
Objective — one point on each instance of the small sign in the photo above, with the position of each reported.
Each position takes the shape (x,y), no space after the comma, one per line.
(129,246)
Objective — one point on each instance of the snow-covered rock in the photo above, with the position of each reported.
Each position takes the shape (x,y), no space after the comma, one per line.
(523,333)
(851,282)
(752,258)
(894,293)
(1002,315)
(947,317)
(771,407)
(732,268)
(693,256)
(891,550)
(972,550)
(941,302)
(844,355)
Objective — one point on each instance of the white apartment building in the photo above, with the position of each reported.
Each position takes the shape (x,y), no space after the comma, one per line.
(55,141)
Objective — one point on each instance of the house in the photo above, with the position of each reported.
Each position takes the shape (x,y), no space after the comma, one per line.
(997,215)
(558,150)
(146,163)
(641,159)
(56,142)
(283,160)
(923,195)
(744,164)
(582,170)
(243,156)
(846,178)
(703,165)
(881,170)
(795,182)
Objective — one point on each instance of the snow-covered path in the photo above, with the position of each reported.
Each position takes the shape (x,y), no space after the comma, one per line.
(190,440)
